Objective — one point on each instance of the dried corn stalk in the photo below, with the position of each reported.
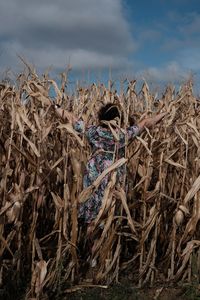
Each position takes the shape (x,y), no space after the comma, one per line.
(150,225)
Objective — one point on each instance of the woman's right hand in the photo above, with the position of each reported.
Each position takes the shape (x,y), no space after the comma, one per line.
(154,120)
(65,115)
(149,122)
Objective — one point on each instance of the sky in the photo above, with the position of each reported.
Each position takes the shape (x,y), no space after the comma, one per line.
(158,40)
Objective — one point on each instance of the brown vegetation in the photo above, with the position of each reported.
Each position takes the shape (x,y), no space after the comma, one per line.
(151,231)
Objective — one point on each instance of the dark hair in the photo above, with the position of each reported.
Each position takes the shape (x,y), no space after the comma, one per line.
(109,112)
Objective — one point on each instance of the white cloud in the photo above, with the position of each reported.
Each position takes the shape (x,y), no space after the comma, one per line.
(89,33)
(95,34)
(171,72)
(190,25)
(190,58)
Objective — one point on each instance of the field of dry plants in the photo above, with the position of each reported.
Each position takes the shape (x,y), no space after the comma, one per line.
(151,229)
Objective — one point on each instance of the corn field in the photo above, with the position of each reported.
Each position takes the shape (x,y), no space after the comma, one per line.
(146,230)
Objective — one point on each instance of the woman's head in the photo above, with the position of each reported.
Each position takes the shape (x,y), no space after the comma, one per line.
(109,111)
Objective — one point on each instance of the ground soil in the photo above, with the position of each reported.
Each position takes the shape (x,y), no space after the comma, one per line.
(120,292)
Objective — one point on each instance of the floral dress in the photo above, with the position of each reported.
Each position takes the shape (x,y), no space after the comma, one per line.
(103,146)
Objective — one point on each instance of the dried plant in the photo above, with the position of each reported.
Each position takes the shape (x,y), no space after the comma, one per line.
(150,225)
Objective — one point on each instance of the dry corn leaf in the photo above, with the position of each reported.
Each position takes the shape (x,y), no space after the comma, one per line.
(70,129)
(107,199)
(186,256)
(122,196)
(41,272)
(86,193)
(22,114)
(173,163)
(45,132)
(194,189)
(58,201)
(144,144)
(13,212)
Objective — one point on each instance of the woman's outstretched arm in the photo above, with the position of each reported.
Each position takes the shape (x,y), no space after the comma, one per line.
(149,122)
(65,115)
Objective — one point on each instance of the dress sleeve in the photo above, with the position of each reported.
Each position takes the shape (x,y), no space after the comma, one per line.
(130,133)
(133,131)
(89,131)
(79,126)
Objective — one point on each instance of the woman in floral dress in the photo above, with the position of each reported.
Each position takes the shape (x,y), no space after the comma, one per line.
(106,148)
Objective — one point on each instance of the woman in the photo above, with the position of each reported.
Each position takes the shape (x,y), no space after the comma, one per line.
(107,140)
